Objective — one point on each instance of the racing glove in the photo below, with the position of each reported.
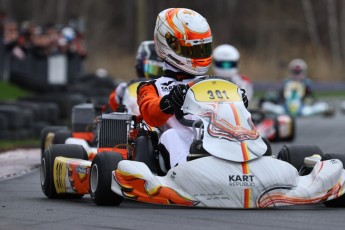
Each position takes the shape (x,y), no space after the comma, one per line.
(172,103)
(120,92)
(177,95)
(244,98)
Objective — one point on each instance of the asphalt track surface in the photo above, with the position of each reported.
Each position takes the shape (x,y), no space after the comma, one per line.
(23,205)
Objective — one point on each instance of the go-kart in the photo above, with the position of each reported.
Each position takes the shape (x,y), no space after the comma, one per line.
(294,103)
(229,168)
(235,174)
(274,127)
(65,167)
(83,123)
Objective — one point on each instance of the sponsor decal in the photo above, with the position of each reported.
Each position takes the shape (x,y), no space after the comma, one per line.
(82,170)
(59,176)
(218,195)
(166,86)
(334,161)
(245,180)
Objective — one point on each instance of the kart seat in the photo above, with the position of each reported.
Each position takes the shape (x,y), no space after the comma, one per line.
(163,159)
(197,151)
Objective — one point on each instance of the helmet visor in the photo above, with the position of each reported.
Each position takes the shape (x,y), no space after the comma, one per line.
(225,64)
(153,68)
(199,50)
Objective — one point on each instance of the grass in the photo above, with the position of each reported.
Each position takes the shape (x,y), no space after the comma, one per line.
(10,92)
(15,144)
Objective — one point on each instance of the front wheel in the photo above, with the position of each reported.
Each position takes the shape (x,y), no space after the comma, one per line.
(295,154)
(47,167)
(100,179)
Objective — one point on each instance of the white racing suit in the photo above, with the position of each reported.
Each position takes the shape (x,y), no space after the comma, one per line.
(175,137)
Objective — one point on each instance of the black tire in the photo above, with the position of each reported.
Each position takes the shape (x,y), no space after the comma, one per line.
(60,136)
(295,154)
(47,164)
(144,152)
(276,127)
(44,133)
(14,116)
(340,201)
(100,179)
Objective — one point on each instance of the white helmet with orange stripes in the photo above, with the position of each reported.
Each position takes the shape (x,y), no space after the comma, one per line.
(183,39)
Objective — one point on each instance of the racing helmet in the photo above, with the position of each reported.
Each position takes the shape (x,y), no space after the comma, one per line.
(225,60)
(183,39)
(147,63)
(298,67)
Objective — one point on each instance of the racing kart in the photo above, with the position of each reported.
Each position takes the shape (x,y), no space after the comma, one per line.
(230,166)
(83,129)
(84,123)
(274,127)
(294,103)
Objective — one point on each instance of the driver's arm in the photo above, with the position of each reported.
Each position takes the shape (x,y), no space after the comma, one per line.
(149,104)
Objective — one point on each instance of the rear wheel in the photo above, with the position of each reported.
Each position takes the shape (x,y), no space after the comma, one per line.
(60,136)
(340,201)
(295,154)
(100,179)
(47,138)
(144,152)
(47,164)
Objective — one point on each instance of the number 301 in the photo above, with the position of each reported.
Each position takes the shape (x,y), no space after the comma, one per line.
(219,94)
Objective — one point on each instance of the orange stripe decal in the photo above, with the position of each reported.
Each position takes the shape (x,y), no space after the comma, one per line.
(247,191)
(247,197)
(238,123)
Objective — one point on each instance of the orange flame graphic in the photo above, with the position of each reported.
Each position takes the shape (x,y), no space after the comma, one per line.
(135,188)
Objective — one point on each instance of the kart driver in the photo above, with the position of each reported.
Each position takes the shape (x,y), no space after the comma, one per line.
(225,64)
(148,65)
(183,39)
(298,72)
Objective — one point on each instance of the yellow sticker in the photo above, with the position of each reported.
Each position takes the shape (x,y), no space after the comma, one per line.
(215,90)
(60,168)
(132,88)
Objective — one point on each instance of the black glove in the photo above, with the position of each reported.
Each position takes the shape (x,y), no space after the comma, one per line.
(244,98)
(166,106)
(173,102)
(177,95)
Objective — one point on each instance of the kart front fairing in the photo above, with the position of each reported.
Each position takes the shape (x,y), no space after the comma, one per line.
(213,182)
(229,132)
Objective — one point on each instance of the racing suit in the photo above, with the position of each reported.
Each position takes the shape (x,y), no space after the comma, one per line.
(123,95)
(175,137)
(243,82)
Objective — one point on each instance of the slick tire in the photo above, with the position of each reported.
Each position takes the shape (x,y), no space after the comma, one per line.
(45,140)
(340,201)
(47,164)
(100,179)
(145,152)
(61,136)
(295,154)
